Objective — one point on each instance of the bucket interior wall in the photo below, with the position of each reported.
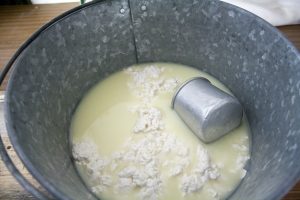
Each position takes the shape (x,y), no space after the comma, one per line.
(242,51)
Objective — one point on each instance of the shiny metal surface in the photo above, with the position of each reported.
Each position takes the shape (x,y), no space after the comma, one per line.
(208,111)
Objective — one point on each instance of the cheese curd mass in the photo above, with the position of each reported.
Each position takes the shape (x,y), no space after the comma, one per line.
(128,143)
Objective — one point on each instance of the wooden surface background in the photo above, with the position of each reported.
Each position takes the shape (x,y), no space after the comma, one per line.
(17,23)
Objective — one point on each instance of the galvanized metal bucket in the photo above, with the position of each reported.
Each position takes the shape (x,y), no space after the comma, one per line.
(57,65)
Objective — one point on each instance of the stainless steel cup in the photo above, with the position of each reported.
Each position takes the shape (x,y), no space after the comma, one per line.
(208,111)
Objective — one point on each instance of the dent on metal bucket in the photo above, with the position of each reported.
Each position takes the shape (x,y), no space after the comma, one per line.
(248,55)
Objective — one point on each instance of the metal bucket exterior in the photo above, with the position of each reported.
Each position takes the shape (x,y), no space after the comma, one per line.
(208,111)
(64,60)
